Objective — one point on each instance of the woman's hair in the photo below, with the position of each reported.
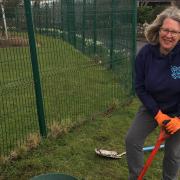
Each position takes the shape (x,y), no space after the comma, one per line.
(152,30)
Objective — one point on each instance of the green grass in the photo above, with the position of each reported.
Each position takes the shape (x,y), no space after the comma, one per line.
(73,153)
(74,87)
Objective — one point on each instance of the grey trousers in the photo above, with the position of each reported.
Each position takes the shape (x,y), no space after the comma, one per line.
(141,127)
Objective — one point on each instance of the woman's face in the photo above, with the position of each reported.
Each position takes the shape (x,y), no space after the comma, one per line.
(169,35)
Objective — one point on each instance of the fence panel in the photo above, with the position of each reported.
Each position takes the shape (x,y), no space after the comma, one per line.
(85,50)
(18,114)
(85,55)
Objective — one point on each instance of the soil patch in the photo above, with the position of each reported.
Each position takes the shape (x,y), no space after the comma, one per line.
(14,42)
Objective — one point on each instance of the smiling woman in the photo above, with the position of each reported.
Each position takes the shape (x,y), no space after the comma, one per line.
(169,35)
(157,81)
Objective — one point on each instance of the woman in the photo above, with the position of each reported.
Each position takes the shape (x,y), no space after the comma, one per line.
(157,85)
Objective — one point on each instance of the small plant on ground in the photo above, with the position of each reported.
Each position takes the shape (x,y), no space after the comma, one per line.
(33,141)
(55,130)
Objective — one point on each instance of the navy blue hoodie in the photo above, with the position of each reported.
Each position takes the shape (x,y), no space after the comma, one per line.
(157,80)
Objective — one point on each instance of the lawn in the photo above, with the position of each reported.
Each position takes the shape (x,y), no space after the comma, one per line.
(73,152)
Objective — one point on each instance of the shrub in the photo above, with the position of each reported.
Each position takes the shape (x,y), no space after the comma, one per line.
(33,141)
(55,130)
(144,14)
(148,13)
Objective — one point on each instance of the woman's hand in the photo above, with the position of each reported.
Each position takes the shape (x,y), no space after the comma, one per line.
(173,125)
(161,117)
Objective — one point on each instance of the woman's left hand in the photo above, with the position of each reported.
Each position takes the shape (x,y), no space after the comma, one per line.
(173,125)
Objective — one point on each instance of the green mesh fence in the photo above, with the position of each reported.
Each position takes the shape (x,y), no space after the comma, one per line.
(85,52)
(18,117)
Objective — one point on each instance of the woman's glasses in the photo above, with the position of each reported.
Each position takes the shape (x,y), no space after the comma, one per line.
(167,31)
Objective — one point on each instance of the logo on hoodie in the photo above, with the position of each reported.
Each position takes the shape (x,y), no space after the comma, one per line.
(175,72)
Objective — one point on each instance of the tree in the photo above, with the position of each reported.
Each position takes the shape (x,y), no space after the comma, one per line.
(143,2)
(11,2)
(37,3)
(7,11)
(10,6)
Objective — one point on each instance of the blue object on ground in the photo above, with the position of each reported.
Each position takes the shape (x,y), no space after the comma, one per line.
(149,148)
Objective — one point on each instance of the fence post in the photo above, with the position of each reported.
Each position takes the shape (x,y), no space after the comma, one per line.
(74,23)
(35,68)
(94,28)
(112,34)
(46,11)
(17,19)
(83,26)
(71,22)
(134,25)
(62,20)
(53,18)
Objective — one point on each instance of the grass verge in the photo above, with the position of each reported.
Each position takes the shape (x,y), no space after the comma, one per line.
(73,153)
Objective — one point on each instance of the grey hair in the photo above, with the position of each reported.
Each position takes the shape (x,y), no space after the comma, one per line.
(152,30)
